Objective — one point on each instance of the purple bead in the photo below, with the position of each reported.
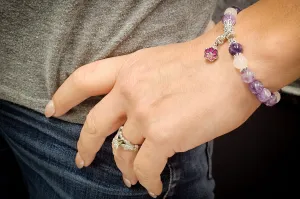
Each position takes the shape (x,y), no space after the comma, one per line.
(247,76)
(256,87)
(235,48)
(211,54)
(228,17)
(237,9)
(264,95)
(272,101)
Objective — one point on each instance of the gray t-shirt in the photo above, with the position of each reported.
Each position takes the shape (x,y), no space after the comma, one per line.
(43,41)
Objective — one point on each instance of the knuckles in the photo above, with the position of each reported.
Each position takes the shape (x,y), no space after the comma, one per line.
(79,78)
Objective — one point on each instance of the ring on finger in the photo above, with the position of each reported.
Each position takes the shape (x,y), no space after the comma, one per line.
(120,141)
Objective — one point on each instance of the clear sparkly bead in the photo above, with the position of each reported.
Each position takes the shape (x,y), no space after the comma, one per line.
(240,61)
(228,19)
(231,11)
(278,96)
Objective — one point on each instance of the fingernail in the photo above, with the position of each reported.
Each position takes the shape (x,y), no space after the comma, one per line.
(50,109)
(79,161)
(127,182)
(152,194)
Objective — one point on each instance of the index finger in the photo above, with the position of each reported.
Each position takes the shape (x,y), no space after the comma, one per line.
(96,78)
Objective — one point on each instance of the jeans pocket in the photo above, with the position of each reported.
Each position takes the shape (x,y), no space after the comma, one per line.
(209,152)
(46,149)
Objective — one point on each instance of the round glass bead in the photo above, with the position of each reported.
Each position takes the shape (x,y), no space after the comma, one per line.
(247,76)
(235,48)
(256,87)
(240,62)
(229,18)
(231,11)
(264,95)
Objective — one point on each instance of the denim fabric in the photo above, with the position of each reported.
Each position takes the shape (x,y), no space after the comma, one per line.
(45,150)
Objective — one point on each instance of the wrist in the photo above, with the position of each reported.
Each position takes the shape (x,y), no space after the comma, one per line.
(271,50)
(224,69)
(225,66)
(269,46)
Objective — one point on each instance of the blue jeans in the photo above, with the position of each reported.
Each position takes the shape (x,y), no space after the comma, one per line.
(45,150)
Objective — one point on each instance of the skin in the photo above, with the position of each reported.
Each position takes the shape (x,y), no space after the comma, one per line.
(171,100)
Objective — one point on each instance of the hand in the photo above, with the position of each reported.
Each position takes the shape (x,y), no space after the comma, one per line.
(169,98)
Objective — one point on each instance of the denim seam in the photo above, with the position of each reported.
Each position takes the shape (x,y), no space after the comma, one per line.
(170,182)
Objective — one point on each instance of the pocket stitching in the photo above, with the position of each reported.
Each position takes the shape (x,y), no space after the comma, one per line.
(170,182)
(209,150)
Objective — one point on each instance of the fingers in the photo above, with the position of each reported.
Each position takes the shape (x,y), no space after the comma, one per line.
(124,158)
(148,166)
(105,118)
(93,79)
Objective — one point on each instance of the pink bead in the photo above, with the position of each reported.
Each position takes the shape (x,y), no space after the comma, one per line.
(240,62)
(211,54)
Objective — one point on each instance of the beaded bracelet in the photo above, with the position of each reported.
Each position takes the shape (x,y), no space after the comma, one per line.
(229,20)
(263,94)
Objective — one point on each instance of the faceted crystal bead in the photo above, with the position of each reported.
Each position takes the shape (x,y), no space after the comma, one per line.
(256,87)
(229,18)
(235,48)
(231,11)
(264,95)
(240,62)
(211,54)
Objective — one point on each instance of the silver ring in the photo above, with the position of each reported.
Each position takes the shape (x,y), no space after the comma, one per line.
(120,141)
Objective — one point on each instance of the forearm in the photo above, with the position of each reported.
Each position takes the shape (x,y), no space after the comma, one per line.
(270,34)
